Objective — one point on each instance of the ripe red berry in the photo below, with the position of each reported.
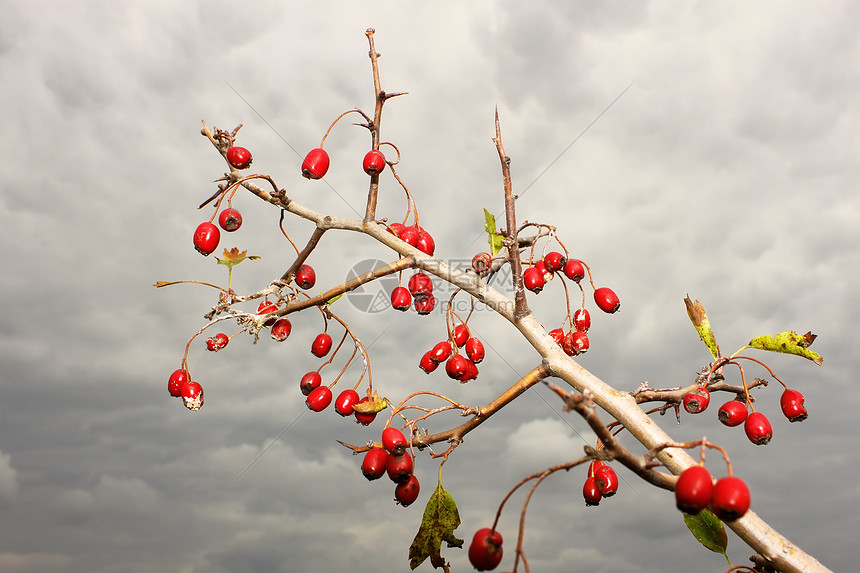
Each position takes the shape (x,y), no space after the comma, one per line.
(541,268)
(461,335)
(425,242)
(554,261)
(574,270)
(400,467)
(485,551)
(321,345)
(409,235)
(457,367)
(533,279)
(266,307)
(407,492)
(471,371)
(427,364)
(441,352)
(607,481)
(393,441)
(475,350)
(400,298)
(557,335)
(396,228)
(306,277)
(374,462)
(693,490)
(792,406)
(175,382)
(733,413)
(230,219)
(481,263)
(217,342)
(575,343)
(319,398)
(591,492)
(425,305)
(420,285)
(315,164)
(607,300)
(239,157)
(374,162)
(758,428)
(281,329)
(344,402)
(310,382)
(593,467)
(731,498)
(192,395)
(697,401)
(206,238)
(582,320)
(364,418)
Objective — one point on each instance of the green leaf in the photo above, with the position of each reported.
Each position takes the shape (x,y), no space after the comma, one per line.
(789,343)
(697,315)
(708,530)
(440,520)
(494,238)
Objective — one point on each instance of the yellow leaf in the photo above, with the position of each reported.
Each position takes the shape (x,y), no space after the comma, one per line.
(788,342)
(699,318)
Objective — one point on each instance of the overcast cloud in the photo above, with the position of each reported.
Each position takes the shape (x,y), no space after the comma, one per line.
(728,170)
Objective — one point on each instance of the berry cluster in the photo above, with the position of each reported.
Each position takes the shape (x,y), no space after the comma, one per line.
(601,481)
(392,458)
(695,490)
(458,366)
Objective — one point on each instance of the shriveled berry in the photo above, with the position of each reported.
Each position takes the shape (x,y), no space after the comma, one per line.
(574,270)
(316,163)
(485,551)
(400,298)
(591,492)
(425,305)
(758,428)
(461,335)
(475,350)
(281,329)
(344,402)
(319,398)
(400,467)
(606,300)
(731,498)
(374,462)
(206,238)
(693,490)
(217,342)
(733,413)
(481,263)
(175,382)
(321,345)
(554,261)
(696,401)
(427,364)
(393,440)
(239,157)
(306,277)
(607,481)
(310,382)
(582,320)
(374,162)
(420,285)
(192,395)
(792,406)
(230,219)
(533,279)
(407,492)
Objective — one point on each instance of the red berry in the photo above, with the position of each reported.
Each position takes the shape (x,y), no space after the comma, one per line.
(425,305)
(321,345)
(607,300)
(206,238)
(427,364)
(731,498)
(239,157)
(590,491)
(192,395)
(758,429)
(409,235)
(175,382)
(461,335)
(441,352)
(582,320)
(693,490)
(310,382)
(230,220)
(420,285)
(374,162)
(471,371)
(393,441)
(315,164)
(306,277)
(607,481)
(475,350)
(319,398)
(364,418)
(554,261)
(457,367)
(533,279)
(557,335)
(400,467)
(373,465)
(574,270)
(344,402)
(217,342)
(281,329)
(266,307)
(485,552)
(396,228)
(425,242)
(400,298)
(481,263)
(541,268)
(593,467)
(407,492)
(697,401)
(791,403)
(575,343)
(733,413)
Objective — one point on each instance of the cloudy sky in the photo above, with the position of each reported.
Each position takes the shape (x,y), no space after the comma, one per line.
(728,170)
